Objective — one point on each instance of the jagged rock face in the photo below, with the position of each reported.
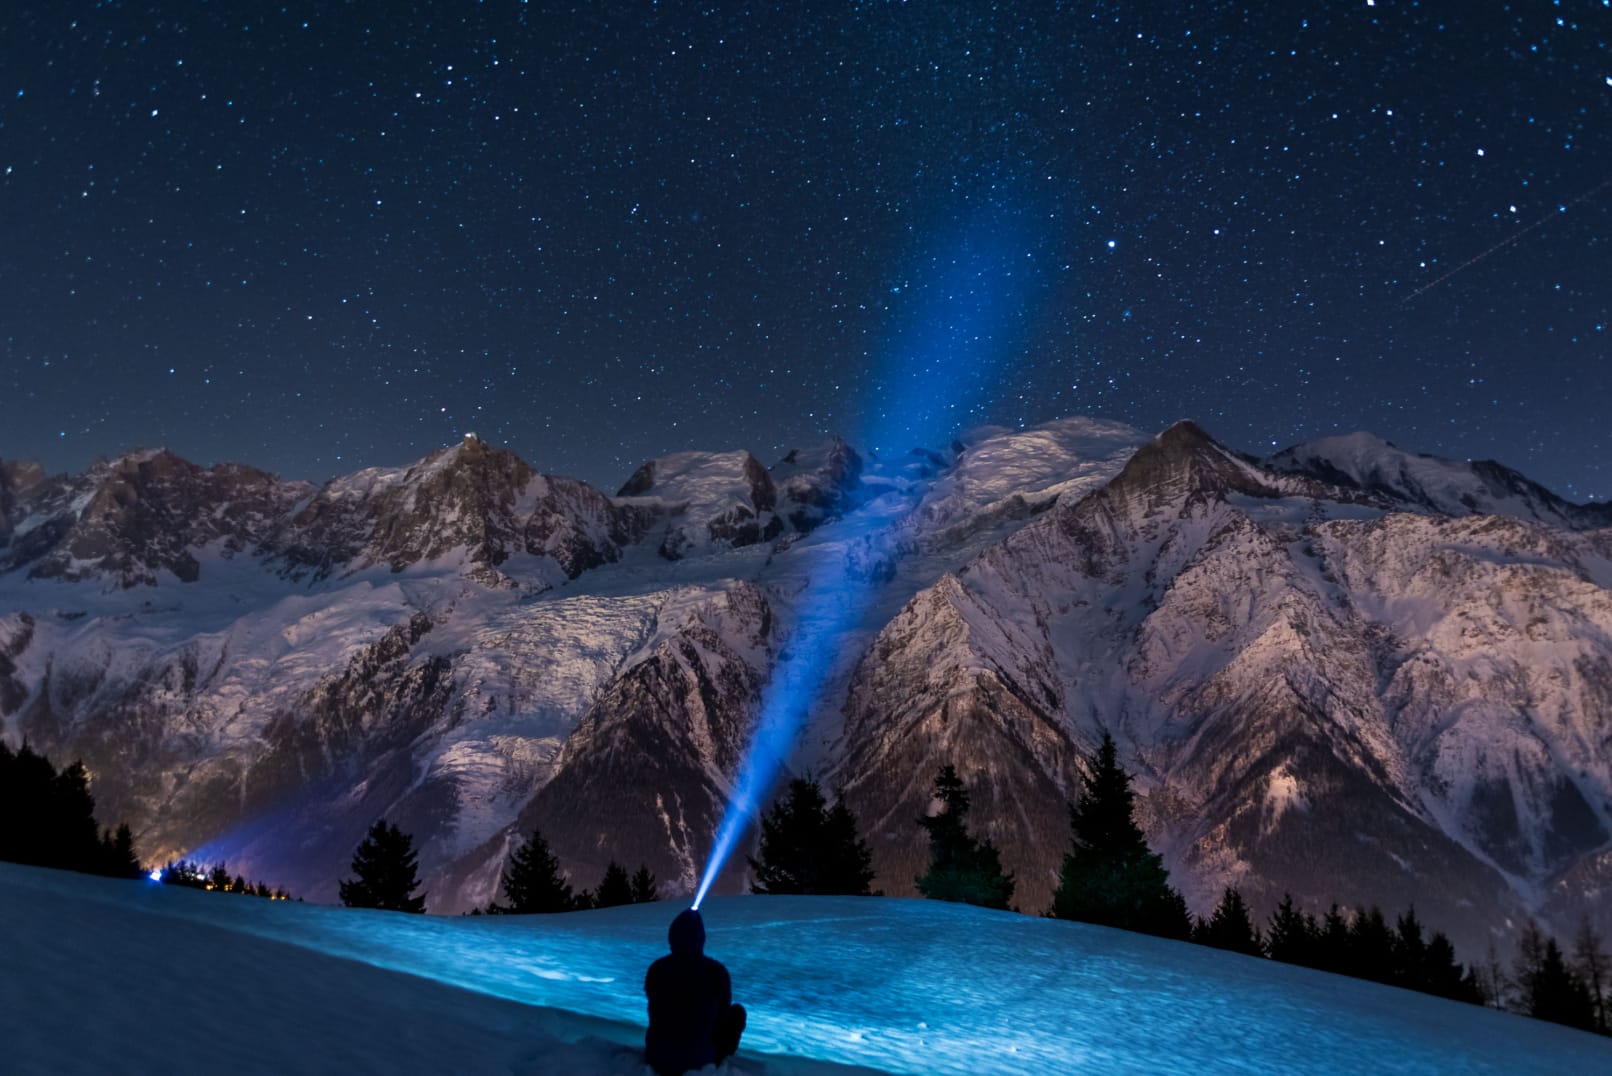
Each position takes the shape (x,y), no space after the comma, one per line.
(711,499)
(473,498)
(17,479)
(147,513)
(952,680)
(644,777)
(818,484)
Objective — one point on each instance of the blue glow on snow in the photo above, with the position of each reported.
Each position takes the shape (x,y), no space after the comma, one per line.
(964,318)
(891,985)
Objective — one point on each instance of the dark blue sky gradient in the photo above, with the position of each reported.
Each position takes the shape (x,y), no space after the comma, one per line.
(316,237)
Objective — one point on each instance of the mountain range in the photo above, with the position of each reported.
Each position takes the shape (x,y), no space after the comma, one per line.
(1344,671)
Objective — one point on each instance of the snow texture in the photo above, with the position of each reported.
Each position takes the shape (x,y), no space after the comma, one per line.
(166,976)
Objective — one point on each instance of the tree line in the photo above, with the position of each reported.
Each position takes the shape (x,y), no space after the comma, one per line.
(47,819)
(1109,877)
(216,879)
(386,873)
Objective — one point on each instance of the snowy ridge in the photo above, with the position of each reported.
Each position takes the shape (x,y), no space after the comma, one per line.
(1432,483)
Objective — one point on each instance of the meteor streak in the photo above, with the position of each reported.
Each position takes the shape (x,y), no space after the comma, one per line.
(1506,242)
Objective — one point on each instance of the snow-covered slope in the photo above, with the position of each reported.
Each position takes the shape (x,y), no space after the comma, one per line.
(1322,687)
(883,985)
(1317,695)
(1431,483)
(712,499)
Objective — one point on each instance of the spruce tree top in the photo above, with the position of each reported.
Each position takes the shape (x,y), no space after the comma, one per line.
(386,869)
(1103,816)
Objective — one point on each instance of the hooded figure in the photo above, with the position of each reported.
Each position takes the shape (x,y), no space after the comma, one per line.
(692,1019)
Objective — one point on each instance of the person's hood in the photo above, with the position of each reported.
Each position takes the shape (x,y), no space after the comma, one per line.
(687,934)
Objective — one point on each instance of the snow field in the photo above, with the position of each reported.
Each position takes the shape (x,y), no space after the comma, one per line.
(103,976)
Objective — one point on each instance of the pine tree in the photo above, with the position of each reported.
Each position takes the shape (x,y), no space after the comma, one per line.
(1371,947)
(117,858)
(1291,935)
(1333,947)
(1111,876)
(1410,963)
(29,830)
(75,839)
(386,868)
(1550,991)
(847,863)
(532,881)
(1229,927)
(960,868)
(47,819)
(614,889)
(808,848)
(1443,975)
(644,889)
(1590,965)
(218,878)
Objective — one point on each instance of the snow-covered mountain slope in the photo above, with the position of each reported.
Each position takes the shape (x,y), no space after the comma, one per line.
(1320,690)
(832,985)
(1409,480)
(137,518)
(720,499)
(1318,696)
(473,501)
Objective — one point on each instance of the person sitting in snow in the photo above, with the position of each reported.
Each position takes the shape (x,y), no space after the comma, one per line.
(692,1019)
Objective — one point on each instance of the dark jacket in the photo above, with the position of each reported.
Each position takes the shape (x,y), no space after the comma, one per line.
(687,991)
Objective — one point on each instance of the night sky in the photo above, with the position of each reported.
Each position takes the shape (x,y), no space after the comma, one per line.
(320,236)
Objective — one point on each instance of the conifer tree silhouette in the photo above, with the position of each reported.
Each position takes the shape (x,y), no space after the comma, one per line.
(644,889)
(808,848)
(1590,965)
(1229,927)
(1291,935)
(614,889)
(386,868)
(961,868)
(1549,989)
(1111,876)
(532,881)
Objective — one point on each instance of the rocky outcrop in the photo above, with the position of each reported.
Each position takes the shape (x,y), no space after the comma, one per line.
(472,500)
(1410,481)
(149,513)
(817,484)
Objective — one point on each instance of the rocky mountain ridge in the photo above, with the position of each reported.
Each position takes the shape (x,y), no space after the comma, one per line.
(1341,671)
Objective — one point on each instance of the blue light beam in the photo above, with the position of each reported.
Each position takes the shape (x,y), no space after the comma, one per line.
(969,316)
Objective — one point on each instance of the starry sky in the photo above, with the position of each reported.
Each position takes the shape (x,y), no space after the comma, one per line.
(322,236)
